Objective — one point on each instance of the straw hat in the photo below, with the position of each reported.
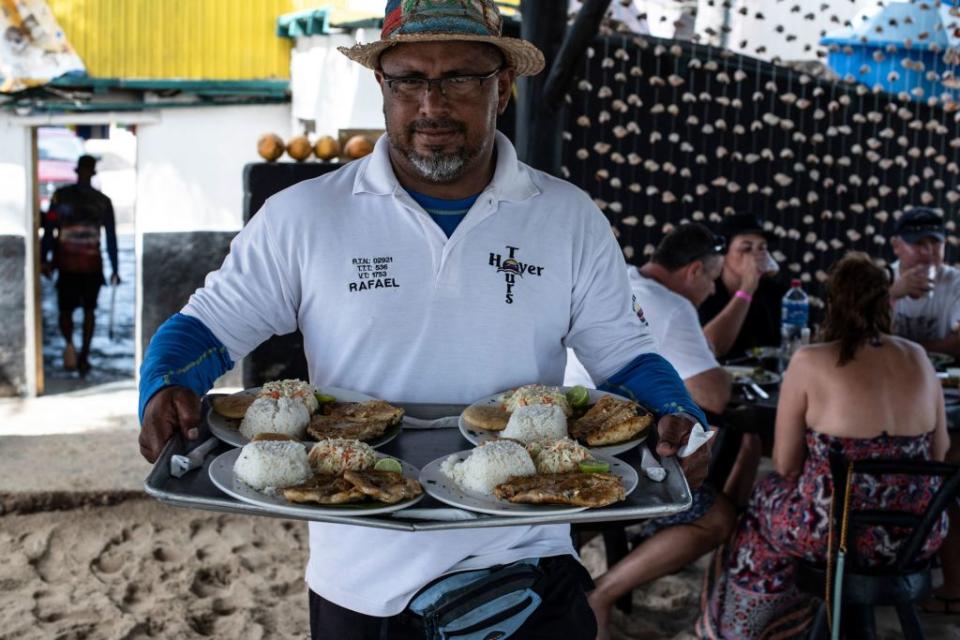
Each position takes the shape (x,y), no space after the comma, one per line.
(447,20)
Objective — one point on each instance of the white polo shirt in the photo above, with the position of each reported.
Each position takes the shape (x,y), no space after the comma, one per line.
(929,318)
(674,325)
(389,306)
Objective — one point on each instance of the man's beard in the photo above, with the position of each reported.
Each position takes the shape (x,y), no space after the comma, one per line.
(437,167)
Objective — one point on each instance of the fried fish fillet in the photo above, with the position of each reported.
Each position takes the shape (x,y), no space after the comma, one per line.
(610,421)
(324,489)
(327,427)
(267,435)
(363,421)
(389,487)
(575,489)
(369,411)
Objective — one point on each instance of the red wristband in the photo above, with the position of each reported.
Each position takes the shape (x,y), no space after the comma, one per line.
(743,295)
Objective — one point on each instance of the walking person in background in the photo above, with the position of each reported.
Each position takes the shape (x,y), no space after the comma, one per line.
(744,312)
(71,232)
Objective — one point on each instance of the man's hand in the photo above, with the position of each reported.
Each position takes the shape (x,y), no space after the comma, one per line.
(913,282)
(115,279)
(171,410)
(674,431)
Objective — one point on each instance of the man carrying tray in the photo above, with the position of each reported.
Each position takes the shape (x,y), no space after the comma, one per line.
(494,269)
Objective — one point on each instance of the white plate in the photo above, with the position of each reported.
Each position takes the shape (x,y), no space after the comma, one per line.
(746,374)
(444,489)
(221,473)
(228,429)
(479,436)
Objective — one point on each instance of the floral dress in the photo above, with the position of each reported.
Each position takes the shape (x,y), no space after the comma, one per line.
(750,589)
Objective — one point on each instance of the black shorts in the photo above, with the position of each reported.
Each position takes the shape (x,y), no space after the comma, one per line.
(78,290)
(563,612)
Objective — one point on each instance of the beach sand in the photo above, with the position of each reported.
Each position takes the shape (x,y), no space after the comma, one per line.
(141,569)
(87,555)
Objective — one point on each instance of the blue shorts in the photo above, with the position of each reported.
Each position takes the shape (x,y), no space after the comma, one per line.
(703,499)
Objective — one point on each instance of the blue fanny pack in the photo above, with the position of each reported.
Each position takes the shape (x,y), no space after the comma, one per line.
(486,604)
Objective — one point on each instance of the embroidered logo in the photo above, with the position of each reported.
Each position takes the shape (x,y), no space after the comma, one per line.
(372,273)
(512,268)
(637,309)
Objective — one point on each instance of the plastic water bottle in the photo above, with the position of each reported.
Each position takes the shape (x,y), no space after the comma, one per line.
(794,316)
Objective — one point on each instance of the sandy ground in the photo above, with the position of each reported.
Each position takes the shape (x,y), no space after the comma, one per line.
(87,555)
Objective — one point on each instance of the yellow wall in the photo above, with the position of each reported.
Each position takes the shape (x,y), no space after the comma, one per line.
(177,39)
(188,39)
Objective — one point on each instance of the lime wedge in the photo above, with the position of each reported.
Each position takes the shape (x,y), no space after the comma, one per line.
(594,466)
(388,464)
(323,398)
(578,397)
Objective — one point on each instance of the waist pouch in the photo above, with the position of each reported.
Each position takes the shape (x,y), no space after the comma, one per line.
(486,604)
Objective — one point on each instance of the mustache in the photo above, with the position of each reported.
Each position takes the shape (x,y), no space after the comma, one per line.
(436,123)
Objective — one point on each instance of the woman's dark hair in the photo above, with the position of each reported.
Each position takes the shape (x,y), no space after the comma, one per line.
(858,304)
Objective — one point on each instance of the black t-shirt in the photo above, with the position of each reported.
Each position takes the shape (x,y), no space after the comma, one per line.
(762,324)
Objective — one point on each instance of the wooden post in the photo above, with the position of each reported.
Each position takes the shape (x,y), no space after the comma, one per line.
(540,108)
(539,126)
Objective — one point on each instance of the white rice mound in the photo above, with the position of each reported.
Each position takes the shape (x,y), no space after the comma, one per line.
(292,388)
(536,422)
(271,464)
(288,416)
(340,454)
(489,465)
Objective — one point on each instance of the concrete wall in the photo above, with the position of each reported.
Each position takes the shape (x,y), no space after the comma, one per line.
(332,90)
(16,317)
(190,165)
(190,201)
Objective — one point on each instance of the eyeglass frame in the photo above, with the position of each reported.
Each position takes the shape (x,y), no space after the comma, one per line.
(429,82)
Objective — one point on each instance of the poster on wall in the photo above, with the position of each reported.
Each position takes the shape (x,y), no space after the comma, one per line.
(33,47)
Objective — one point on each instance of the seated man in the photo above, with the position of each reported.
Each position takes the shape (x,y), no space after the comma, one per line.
(927,310)
(744,311)
(926,291)
(680,275)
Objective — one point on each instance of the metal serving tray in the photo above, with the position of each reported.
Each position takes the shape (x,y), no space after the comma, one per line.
(419,443)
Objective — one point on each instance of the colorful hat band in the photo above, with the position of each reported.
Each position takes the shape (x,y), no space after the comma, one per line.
(465,17)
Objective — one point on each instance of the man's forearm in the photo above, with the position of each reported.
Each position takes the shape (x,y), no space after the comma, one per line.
(710,389)
(723,330)
(183,352)
(654,383)
(949,345)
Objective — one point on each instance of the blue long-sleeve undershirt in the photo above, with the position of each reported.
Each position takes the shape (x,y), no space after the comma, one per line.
(653,382)
(185,353)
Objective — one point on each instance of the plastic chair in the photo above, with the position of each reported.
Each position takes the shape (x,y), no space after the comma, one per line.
(901,584)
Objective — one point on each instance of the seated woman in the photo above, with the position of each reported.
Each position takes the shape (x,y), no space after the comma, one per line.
(863,392)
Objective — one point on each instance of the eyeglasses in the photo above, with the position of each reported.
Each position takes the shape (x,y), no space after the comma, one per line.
(412,88)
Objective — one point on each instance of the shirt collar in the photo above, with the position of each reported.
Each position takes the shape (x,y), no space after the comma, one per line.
(511,178)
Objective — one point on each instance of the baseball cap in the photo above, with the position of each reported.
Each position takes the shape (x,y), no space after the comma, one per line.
(919,223)
(742,223)
(87,162)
